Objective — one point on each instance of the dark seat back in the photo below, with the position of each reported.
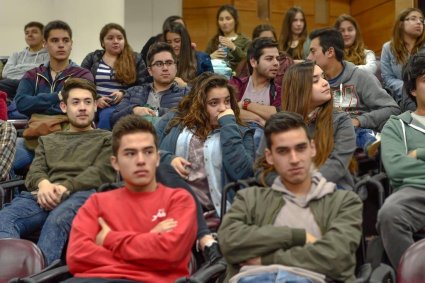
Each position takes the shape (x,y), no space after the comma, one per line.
(19,258)
(411,268)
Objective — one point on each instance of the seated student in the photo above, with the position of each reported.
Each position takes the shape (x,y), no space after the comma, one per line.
(115,68)
(306,92)
(205,140)
(258,95)
(7,148)
(142,232)
(403,156)
(301,220)
(38,94)
(354,48)
(156,98)
(285,61)
(191,63)
(408,38)
(228,44)
(20,62)
(67,168)
(293,37)
(354,90)
(159,37)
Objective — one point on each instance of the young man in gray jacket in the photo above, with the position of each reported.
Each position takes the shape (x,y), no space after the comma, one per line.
(355,91)
(301,220)
(20,62)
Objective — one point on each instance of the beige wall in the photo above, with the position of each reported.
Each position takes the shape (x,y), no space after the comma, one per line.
(141,18)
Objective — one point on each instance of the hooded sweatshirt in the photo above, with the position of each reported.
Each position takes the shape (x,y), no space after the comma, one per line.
(296,212)
(401,135)
(21,62)
(359,93)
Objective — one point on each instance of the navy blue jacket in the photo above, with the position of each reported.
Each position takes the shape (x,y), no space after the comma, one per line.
(138,96)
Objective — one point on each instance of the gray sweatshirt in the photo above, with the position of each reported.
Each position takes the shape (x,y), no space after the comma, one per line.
(296,212)
(21,62)
(363,97)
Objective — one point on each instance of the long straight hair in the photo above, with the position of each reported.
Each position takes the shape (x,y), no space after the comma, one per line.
(186,66)
(356,52)
(234,13)
(285,38)
(125,65)
(297,88)
(397,44)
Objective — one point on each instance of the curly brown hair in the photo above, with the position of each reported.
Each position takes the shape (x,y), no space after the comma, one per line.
(191,111)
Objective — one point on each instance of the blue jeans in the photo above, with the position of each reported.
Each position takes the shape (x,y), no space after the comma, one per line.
(364,138)
(23,156)
(105,117)
(275,277)
(24,216)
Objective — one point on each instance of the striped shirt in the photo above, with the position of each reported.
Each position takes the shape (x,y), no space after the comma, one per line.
(105,80)
(7,148)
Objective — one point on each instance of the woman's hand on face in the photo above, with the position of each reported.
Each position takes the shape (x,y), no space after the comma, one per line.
(226,112)
(227,42)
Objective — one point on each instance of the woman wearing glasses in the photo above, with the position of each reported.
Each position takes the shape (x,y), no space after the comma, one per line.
(115,68)
(191,63)
(408,38)
(205,140)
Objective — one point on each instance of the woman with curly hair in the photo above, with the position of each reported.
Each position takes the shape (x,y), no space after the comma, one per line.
(228,44)
(408,38)
(306,92)
(293,36)
(354,48)
(205,140)
(191,63)
(115,68)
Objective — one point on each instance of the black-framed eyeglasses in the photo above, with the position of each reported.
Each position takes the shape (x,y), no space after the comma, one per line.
(161,64)
(415,19)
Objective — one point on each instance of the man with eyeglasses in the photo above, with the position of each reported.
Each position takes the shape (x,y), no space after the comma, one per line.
(153,99)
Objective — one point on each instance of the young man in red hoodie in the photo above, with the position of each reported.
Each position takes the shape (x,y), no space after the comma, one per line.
(142,232)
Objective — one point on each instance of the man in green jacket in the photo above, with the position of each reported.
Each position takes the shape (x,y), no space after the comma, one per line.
(403,155)
(301,220)
(67,168)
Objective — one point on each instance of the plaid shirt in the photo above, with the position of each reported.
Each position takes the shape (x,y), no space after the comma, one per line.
(7,148)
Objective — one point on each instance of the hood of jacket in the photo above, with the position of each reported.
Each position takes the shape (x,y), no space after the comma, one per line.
(320,187)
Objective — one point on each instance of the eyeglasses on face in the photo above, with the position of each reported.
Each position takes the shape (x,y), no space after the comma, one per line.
(161,64)
(415,20)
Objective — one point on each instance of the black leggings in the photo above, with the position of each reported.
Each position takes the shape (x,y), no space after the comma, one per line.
(165,174)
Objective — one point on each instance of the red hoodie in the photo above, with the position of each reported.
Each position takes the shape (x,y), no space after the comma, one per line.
(130,251)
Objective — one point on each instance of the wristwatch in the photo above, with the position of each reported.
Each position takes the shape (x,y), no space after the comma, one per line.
(246,101)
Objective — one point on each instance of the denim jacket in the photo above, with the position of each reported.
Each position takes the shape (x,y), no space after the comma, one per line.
(391,71)
(235,144)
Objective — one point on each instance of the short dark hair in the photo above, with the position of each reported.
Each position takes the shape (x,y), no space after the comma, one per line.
(56,25)
(38,25)
(414,69)
(255,49)
(158,47)
(283,122)
(171,20)
(131,124)
(73,83)
(330,37)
